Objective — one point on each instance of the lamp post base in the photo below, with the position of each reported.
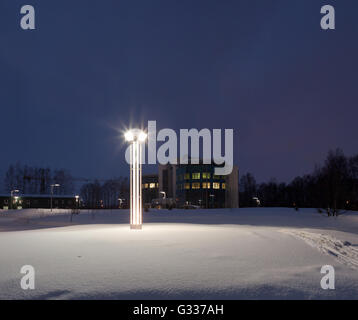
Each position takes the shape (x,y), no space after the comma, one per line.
(136,226)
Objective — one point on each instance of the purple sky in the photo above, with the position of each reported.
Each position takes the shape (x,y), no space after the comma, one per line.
(264,68)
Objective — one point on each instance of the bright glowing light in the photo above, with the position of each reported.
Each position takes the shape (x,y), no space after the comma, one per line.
(129,136)
(135,134)
(142,136)
(135,137)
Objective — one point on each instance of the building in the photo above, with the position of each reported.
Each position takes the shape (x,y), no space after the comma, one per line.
(167,180)
(150,188)
(197,184)
(37,201)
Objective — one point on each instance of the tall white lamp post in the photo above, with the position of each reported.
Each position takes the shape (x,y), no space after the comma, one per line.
(135,137)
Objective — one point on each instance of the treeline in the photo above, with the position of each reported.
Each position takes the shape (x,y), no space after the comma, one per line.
(37,180)
(111,194)
(332,186)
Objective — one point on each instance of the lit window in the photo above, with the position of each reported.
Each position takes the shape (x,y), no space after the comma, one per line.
(152,185)
(196,185)
(206,175)
(223,186)
(196,176)
(157,185)
(187,176)
(216,185)
(206,185)
(187,186)
(216,177)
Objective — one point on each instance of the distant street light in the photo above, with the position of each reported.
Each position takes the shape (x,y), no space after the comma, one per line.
(52,187)
(120,202)
(77,201)
(12,195)
(135,137)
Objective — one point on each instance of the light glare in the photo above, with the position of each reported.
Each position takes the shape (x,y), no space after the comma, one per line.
(129,136)
(142,136)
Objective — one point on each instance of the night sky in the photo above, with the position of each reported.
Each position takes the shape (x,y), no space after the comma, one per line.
(264,68)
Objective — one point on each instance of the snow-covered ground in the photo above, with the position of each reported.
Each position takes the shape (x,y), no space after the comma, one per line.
(271,253)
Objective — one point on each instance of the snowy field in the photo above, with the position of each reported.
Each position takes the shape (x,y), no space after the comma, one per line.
(259,253)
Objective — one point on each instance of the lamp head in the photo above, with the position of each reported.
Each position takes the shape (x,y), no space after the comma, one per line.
(135,135)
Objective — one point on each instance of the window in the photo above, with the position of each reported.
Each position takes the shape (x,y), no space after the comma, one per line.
(195,185)
(216,177)
(206,185)
(187,186)
(206,175)
(186,176)
(152,185)
(157,185)
(216,185)
(196,176)
(223,186)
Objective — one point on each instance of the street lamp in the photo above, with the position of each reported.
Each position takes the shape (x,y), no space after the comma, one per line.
(52,186)
(12,195)
(135,137)
(120,202)
(77,201)
(164,194)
